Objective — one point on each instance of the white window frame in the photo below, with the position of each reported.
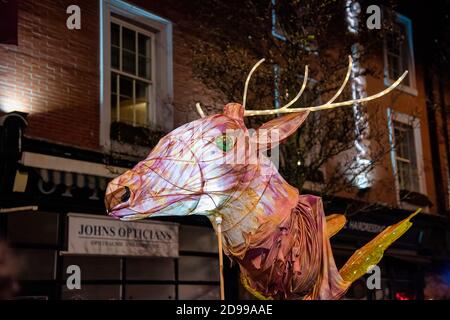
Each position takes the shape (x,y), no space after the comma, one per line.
(275,32)
(412,87)
(394,116)
(161,113)
(278,34)
(151,112)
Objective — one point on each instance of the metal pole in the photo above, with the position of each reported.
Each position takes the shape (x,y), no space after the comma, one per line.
(219,240)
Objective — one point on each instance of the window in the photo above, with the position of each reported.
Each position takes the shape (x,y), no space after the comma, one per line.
(309,42)
(136,88)
(131,74)
(405,157)
(399,55)
(406,154)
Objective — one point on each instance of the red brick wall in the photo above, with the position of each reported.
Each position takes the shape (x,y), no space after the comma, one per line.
(187,89)
(53,73)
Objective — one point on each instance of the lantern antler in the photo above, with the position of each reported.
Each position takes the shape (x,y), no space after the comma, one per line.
(305,80)
(244,97)
(330,104)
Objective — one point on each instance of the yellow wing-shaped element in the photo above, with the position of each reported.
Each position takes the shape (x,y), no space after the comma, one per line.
(371,253)
(335,222)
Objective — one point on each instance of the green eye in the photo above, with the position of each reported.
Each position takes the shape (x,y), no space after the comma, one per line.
(224,142)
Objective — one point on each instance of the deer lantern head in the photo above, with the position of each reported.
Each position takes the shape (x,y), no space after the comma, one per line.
(204,165)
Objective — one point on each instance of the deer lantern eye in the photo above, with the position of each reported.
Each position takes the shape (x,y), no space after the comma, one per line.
(224,142)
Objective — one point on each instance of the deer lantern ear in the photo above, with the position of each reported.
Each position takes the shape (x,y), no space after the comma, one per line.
(234,110)
(273,132)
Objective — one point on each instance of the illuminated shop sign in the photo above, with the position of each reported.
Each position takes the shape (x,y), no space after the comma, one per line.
(364,226)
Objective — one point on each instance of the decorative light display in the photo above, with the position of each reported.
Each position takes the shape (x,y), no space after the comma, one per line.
(279,238)
(361,179)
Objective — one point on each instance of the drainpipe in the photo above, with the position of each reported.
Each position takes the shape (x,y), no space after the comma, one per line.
(443,107)
(434,141)
(12,126)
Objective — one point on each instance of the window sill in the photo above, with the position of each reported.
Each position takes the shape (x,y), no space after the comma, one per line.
(132,135)
(133,141)
(128,151)
(407,89)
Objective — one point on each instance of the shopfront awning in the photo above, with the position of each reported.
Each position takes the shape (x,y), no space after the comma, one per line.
(57,171)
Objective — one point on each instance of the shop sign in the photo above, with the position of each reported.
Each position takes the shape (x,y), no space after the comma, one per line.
(364,226)
(97,235)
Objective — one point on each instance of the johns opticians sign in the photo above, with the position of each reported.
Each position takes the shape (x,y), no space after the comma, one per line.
(97,235)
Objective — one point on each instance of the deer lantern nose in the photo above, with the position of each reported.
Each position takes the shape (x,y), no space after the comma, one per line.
(118,196)
(126,195)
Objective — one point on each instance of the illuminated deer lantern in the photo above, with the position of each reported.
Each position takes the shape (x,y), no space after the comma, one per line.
(279,238)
